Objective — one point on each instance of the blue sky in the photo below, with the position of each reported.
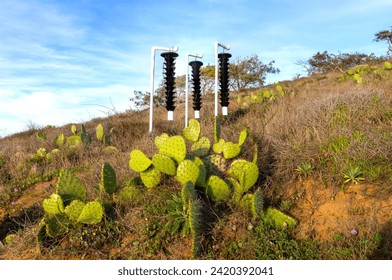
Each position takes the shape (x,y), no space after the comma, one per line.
(64,61)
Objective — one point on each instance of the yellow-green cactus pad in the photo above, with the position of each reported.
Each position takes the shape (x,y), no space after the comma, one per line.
(59,140)
(99,132)
(187,171)
(237,188)
(108,178)
(91,214)
(218,146)
(218,189)
(201,147)
(74,140)
(278,219)
(69,187)
(74,210)
(245,172)
(138,161)
(201,180)
(174,147)
(192,132)
(128,194)
(243,136)
(160,139)
(164,164)
(231,150)
(151,177)
(53,205)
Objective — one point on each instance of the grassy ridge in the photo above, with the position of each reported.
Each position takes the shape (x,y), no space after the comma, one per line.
(317,139)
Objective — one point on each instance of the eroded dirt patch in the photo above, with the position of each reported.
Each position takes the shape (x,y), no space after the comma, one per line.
(324,212)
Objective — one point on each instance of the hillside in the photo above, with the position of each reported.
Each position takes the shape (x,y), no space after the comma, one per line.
(323,156)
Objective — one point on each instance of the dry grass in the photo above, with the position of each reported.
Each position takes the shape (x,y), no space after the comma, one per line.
(328,124)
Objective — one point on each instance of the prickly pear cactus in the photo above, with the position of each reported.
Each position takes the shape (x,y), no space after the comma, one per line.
(53,205)
(56,225)
(59,140)
(151,177)
(194,216)
(201,147)
(242,137)
(218,189)
(138,161)
(215,164)
(201,180)
(187,171)
(108,178)
(74,209)
(74,130)
(218,146)
(245,172)
(91,214)
(174,147)
(188,192)
(74,140)
(192,132)
(231,150)
(164,164)
(99,132)
(69,187)
(160,139)
(278,219)
(253,203)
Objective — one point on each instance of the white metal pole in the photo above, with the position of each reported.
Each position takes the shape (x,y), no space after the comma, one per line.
(152,70)
(227,47)
(187,85)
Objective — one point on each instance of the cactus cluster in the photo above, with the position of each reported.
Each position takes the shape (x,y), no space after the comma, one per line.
(266,95)
(362,73)
(69,205)
(212,168)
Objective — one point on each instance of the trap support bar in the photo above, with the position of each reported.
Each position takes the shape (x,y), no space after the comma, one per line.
(226,47)
(187,84)
(152,70)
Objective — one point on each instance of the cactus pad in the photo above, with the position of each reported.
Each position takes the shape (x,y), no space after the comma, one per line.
(74,210)
(110,150)
(201,147)
(53,205)
(74,130)
(74,140)
(194,217)
(245,172)
(242,137)
(192,132)
(278,219)
(91,214)
(215,164)
(151,177)
(164,164)
(188,192)
(59,140)
(187,171)
(201,180)
(69,187)
(160,139)
(231,150)
(139,162)
(99,132)
(128,194)
(218,146)
(258,203)
(238,190)
(56,225)
(218,189)
(85,137)
(108,178)
(174,147)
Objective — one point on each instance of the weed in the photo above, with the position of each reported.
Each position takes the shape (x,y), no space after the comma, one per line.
(353,174)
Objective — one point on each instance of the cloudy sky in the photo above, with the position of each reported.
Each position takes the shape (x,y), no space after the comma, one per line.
(65,61)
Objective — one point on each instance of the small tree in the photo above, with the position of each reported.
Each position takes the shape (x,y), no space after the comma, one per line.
(250,72)
(385,35)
